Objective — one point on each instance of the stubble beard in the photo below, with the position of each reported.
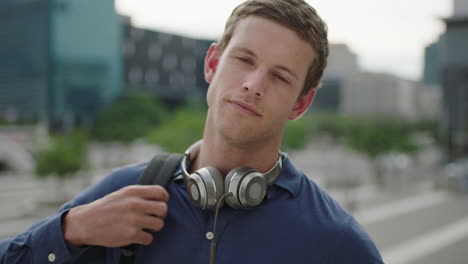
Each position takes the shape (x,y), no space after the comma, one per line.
(243,131)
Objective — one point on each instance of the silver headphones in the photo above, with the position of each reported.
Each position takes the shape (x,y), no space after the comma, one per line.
(206,186)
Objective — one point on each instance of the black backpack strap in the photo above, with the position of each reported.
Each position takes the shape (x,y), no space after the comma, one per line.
(159,172)
(160,169)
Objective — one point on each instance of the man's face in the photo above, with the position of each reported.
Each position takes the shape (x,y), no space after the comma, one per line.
(255,83)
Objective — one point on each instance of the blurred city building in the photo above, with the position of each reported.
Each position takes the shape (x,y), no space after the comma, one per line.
(60,60)
(431,70)
(380,95)
(460,8)
(63,60)
(454,69)
(342,63)
(166,65)
(24,59)
(350,91)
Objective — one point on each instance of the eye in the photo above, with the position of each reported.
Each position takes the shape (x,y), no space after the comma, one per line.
(281,78)
(245,60)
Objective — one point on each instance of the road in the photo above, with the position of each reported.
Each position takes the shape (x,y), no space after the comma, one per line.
(429,228)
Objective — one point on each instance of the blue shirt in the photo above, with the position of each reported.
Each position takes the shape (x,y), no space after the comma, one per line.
(297,223)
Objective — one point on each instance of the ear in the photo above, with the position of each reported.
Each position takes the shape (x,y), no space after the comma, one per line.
(302,104)
(211,62)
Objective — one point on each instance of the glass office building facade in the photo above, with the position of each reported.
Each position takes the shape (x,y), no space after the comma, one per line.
(60,60)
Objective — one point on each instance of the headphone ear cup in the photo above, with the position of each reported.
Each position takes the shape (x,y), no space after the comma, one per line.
(248,188)
(205,187)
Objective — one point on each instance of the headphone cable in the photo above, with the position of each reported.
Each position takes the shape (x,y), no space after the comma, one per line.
(213,241)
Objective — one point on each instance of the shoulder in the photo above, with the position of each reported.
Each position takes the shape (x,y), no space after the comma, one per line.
(313,199)
(326,212)
(115,180)
(123,176)
(318,208)
(338,226)
(356,244)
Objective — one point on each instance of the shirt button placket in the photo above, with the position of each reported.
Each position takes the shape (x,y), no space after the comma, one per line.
(209,235)
(51,257)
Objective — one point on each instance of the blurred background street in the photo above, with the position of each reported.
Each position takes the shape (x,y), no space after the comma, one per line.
(88,86)
(413,217)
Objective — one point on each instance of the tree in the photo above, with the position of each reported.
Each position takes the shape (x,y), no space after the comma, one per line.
(375,138)
(296,134)
(369,136)
(129,118)
(63,158)
(180,131)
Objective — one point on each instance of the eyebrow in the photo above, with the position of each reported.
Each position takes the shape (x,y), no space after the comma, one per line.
(280,67)
(246,50)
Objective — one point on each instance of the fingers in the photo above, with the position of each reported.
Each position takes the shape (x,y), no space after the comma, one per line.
(119,218)
(143,238)
(138,228)
(150,214)
(147,207)
(148,192)
(155,208)
(151,223)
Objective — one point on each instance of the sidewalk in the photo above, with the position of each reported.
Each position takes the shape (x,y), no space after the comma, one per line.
(22,197)
(25,200)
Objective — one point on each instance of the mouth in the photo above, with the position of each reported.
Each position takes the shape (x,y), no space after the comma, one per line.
(245,108)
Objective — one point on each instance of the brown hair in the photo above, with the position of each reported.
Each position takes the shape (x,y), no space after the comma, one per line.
(296,15)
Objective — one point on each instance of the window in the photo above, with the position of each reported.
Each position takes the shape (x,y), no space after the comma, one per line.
(154,52)
(190,80)
(151,77)
(188,64)
(165,38)
(170,61)
(176,79)
(137,34)
(188,44)
(135,75)
(129,48)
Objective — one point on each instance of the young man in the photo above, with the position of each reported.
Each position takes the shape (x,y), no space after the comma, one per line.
(264,72)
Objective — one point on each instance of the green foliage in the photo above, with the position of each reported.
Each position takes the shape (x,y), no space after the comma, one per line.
(296,134)
(378,137)
(180,131)
(18,123)
(128,118)
(432,129)
(186,126)
(372,137)
(332,125)
(64,157)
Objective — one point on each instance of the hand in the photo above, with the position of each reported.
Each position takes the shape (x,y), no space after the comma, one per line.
(119,218)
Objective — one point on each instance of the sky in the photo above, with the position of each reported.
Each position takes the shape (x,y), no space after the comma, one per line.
(387,35)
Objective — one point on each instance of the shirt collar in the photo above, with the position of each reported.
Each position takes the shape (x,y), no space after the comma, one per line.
(288,180)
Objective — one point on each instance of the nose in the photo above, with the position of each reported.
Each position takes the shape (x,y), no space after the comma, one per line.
(255,83)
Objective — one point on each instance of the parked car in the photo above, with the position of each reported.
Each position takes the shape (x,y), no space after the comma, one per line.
(456,175)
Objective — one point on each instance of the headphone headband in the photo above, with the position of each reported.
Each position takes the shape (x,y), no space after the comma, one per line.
(194,148)
(192,152)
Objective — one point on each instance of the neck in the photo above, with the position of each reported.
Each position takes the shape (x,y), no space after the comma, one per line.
(225,155)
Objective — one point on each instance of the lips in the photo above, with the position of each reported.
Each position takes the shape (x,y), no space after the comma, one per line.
(244,107)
